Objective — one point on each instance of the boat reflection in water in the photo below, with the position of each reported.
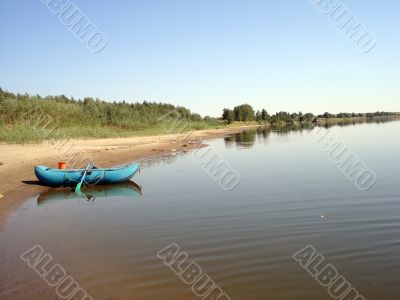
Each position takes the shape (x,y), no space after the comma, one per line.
(129,189)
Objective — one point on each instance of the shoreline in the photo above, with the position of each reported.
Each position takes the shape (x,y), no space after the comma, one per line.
(18,181)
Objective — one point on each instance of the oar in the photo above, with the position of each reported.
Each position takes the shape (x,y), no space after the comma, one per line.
(79,185)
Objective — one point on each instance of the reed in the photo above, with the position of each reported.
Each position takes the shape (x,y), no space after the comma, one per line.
(27,118)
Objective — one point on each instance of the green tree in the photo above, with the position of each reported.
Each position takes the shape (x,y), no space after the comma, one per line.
(258,116)
(264,115)
(243,113)
(308,117)
(228,115)
(294,117)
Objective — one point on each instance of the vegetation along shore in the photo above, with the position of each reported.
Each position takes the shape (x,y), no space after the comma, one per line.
(33,118)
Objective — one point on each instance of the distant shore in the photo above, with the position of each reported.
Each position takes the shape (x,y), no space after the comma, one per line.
(332,121)
(18,181)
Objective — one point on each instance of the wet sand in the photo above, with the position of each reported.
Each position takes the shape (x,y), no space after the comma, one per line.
(18,181)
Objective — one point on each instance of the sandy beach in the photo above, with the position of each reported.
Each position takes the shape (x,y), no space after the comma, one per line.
(18,181)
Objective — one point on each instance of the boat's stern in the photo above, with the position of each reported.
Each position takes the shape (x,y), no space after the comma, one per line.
(48,176)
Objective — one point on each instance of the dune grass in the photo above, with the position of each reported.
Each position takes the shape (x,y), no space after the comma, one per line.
(25,133)
(25,118)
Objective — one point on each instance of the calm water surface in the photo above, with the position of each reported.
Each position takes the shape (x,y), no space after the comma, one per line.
(244,239)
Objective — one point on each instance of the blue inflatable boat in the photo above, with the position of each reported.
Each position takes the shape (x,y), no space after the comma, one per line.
(71,177)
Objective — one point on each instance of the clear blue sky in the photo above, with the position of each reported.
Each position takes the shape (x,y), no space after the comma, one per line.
(207,55)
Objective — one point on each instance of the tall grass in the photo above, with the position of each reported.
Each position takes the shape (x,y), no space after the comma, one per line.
(25,118)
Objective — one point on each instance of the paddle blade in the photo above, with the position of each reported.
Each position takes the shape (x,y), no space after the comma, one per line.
(78,187)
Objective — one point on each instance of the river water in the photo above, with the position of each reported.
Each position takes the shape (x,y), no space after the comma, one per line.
(290,195)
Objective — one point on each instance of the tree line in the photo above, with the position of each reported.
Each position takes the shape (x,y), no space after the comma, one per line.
(246,113)
(92,117)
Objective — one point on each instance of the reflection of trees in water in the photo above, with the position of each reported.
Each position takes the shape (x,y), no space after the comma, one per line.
(247,139)
(349,122)
(229,141)
(244,139)
(263,133)
(285,130)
